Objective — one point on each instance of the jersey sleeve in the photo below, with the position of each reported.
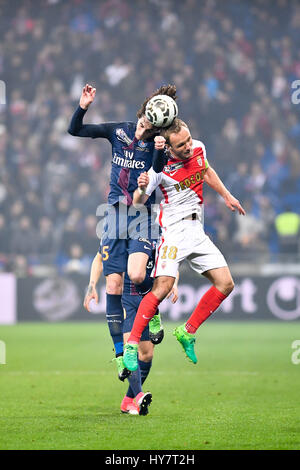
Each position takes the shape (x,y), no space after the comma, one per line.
(198,143)
(78,129)
(159,160)
(154,181)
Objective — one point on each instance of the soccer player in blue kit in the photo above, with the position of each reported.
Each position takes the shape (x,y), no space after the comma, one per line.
(135,401)
(132,153)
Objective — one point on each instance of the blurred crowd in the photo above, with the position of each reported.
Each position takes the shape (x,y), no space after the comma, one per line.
(233,63)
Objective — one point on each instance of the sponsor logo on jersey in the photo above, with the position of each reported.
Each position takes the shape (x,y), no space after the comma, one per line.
(123,137)
(128,162)
(187,182)
(128,154)
(173,168)
(145,240)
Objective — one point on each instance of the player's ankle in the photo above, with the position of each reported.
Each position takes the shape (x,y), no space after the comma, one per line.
(190,328)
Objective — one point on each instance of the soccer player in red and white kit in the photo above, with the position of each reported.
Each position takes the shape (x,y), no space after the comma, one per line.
(182,234)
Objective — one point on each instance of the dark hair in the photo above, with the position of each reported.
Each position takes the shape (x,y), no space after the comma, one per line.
(174,128)
(169,90)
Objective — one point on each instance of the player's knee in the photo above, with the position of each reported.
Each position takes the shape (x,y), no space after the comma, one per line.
(146,356)
(146,351)
(114,287)
(136,277)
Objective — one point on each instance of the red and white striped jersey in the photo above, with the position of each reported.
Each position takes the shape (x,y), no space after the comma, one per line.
(181,187)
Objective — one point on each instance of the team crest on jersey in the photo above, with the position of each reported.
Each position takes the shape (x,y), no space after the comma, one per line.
(142,144)
(200,162)
(122,136)
(173,167)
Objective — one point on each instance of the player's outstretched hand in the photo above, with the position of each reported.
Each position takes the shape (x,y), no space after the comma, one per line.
(173,294)
(159,142)
(143,181)
(87,96)
(91,293)
(232,203)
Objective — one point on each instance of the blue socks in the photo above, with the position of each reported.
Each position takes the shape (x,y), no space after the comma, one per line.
(145,369)
(114,317)
(137,378)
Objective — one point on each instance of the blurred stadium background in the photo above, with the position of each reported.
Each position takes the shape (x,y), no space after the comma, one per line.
(233,63)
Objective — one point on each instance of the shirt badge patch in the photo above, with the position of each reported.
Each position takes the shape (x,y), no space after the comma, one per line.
(123,137)
(173,167)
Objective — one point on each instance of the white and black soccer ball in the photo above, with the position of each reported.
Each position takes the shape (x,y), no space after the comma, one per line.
(161,110)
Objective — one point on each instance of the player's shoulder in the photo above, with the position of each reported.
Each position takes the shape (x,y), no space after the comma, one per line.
(198,145)
(121,124)
(122,130)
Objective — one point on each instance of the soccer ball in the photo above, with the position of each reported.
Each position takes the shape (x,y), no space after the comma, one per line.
(161,110)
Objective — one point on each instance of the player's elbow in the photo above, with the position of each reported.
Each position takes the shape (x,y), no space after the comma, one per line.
(71,131)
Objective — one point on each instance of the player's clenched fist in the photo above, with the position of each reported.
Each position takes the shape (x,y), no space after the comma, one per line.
(87,96)
(159,142)
(143,181)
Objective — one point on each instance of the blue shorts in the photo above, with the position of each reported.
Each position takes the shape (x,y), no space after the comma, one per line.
(119,240)
(130,305)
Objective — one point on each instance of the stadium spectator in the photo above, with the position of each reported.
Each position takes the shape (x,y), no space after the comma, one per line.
(234,83)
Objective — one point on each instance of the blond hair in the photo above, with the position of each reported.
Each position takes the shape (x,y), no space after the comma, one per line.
(175,128)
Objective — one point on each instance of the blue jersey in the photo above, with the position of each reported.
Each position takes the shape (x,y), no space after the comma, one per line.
(130,157)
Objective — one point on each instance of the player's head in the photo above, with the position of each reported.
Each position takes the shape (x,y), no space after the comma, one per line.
(178,140)
(144,128)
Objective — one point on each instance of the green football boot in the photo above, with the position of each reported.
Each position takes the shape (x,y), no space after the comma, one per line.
(123,373)
(131,356)
(156,329)
(187,341)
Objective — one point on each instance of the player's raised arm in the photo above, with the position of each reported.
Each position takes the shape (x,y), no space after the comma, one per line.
(159,157)
(213,180)
(87,96)
(77,128)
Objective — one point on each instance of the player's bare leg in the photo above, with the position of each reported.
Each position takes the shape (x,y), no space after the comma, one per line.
(114,284)
(136,266)
(221,279)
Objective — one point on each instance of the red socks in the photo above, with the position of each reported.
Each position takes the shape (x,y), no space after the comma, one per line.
(146,311)
(207,305)
(210,301)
